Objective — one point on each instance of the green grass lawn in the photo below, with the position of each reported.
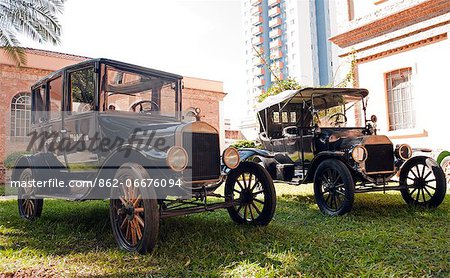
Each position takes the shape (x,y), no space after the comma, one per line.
(380,237)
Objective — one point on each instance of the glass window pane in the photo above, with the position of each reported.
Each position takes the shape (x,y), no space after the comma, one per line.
(55,92)
(20,116)
(82,90)
(276,117)
(400,99)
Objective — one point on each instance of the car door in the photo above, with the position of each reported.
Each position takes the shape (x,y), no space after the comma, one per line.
(80,122)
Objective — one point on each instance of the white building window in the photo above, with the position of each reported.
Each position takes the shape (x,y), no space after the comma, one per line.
(20,116)
(400,100)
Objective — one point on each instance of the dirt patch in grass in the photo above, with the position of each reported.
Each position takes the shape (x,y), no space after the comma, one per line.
(26,273)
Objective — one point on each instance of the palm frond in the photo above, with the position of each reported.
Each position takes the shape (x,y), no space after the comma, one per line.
(36,19)
(12,48)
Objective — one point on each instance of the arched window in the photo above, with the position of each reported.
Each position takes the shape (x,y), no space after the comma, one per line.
(20,116)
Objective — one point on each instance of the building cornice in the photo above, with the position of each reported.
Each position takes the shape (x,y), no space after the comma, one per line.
(393,22)
(403,48)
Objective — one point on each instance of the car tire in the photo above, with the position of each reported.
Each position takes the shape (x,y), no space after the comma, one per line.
(445,165)
(30,208)
(134,211)
(334,189)
(252,193)
(424,182)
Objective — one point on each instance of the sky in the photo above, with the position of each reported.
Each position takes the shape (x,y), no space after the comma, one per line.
(200,38)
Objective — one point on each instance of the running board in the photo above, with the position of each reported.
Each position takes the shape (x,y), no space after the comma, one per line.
(193,209)
(376,189)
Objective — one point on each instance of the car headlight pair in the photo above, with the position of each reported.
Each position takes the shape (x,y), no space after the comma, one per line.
(177,158)
(359,153)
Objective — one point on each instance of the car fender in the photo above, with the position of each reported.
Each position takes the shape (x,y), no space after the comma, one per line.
(431,163)
(151,158)
(21,163)
(38,163)
(318,159)
(246,153)
(441,156)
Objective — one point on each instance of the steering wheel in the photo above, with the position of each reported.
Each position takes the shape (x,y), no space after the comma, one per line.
(153,106)
(339,119)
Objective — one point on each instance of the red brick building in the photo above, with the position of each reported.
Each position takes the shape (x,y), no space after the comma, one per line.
(15,103)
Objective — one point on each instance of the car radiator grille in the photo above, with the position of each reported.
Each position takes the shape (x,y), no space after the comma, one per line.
(204,155)
(380,158)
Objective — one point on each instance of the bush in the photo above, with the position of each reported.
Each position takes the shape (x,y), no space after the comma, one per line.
(11,159)
(280,86)
(245,144)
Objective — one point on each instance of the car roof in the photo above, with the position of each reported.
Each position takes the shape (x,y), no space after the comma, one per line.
(305,94)
(114,63)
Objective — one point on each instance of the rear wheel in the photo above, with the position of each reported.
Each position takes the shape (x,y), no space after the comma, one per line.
(334,189)
(30,208)
(253,194)
(134,211)
(424,181)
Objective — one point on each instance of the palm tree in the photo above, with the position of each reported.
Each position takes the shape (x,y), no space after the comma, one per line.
(36,19)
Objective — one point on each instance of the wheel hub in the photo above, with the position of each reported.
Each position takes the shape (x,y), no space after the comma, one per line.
(129,211)
(330,186)
(246,196)
(419,183)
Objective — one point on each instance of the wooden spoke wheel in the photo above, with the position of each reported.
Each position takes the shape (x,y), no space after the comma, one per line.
(253,195)
(333,187)
(30,208)
(134,211)
(424,181)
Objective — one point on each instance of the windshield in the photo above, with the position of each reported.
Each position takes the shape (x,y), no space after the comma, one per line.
(338,110)
(139,93)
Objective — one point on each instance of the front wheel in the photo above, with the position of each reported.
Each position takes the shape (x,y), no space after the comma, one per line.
(252,193)
(334,189)
(134,211)
(423,181)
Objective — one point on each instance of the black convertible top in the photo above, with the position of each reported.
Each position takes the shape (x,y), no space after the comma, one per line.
(306,94)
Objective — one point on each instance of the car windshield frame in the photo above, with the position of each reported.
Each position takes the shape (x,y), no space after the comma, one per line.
(359,98)
(173,80)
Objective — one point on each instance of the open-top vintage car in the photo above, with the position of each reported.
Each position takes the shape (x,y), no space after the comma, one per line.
(322,135)
(103,129)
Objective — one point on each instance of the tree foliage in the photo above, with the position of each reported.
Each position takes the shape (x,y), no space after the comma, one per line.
(36,19)
(82,86)
(280,86)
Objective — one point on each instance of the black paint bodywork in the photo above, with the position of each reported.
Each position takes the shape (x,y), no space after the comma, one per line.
(301,145)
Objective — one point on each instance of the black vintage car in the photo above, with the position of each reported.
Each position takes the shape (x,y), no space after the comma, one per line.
(322,135)
(103,129)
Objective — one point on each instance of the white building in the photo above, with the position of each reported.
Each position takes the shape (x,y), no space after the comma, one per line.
(284,38)
(403,56)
